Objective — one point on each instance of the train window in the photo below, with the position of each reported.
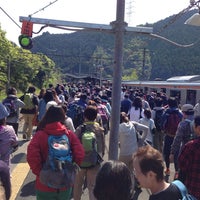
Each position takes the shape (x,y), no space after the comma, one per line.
(191,97)
(176,93)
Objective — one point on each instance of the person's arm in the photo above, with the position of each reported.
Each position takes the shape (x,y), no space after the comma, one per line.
(37,152)
(142,128)
(77,148)
(176,145)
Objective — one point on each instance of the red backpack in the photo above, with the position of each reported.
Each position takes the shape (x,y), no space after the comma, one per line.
(171,123)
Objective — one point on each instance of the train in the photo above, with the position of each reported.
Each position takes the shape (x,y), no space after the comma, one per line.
(186,88)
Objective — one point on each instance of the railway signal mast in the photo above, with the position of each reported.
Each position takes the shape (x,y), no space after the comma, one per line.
(118,28)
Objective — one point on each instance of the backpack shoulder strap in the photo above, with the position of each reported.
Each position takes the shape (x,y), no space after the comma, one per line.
(181,187)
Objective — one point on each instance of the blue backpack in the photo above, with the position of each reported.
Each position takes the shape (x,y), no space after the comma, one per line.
(76,113)
(58,170)
(183,190)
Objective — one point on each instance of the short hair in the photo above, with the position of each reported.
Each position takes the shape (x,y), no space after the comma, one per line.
(90,113)
(31,89)
(113,181)
(12,91)
(150,159)
(172,102)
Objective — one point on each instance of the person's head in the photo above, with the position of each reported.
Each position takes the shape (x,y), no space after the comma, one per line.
(50,103)
(123,117)
(113,182)
(197,125)
(126,96)
(48,96)
(11,91)
(90,113)
(172,102)
(158,101)
(148,166)
(187,109)
(137,102)
(31,89)
(147,113)
(92,103)
(54,113)
(3,114)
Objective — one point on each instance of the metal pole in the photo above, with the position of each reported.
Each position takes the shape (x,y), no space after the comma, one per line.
(8,72)
(119,28)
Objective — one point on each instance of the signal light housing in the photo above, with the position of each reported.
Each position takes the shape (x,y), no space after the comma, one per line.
(25,40)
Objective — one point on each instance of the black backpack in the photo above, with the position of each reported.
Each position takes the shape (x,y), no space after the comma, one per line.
(189,133)
(10,104)
(158,119)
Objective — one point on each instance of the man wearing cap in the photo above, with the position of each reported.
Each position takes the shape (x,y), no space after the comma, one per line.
(184,132)
(189,162)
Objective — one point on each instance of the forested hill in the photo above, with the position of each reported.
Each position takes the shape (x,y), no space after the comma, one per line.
(145,57)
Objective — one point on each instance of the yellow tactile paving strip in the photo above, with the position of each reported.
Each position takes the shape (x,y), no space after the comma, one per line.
(18,176)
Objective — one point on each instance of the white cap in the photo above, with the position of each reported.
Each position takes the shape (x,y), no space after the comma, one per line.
(51,103)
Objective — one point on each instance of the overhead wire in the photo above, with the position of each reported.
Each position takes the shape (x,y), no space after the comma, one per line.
(10,17)
(42,9)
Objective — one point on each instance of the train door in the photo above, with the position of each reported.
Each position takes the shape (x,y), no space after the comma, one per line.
(191,97)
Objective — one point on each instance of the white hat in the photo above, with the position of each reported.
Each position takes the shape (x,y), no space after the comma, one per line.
(3,111)
(51,103)
(187,108)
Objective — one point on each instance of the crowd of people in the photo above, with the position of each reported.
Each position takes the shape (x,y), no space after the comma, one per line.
(154,131)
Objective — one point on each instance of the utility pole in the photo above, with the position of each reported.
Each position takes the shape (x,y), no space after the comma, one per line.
(119,28)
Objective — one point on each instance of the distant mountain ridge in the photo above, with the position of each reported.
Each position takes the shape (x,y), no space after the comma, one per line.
(79,52)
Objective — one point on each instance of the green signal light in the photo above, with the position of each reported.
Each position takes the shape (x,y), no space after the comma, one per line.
(25,42)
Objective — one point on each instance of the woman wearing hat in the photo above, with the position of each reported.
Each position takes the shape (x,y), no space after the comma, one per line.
(8,138)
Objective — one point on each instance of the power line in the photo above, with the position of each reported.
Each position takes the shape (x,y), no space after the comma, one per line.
(42,9)
(10,17)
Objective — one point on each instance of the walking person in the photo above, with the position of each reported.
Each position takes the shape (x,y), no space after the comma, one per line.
(88,173)
(189,164)
(52,124)
(149,170)
(136,112)
(48,96)
(170,120)
(14,104)
(8,138)
(113,182)
(184,133)
(5,183)
(128,141)
(149,122)
(157,113)
(29,111)
(126,104)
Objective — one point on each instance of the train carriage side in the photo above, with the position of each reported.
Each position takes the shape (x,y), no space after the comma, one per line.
(187,92)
